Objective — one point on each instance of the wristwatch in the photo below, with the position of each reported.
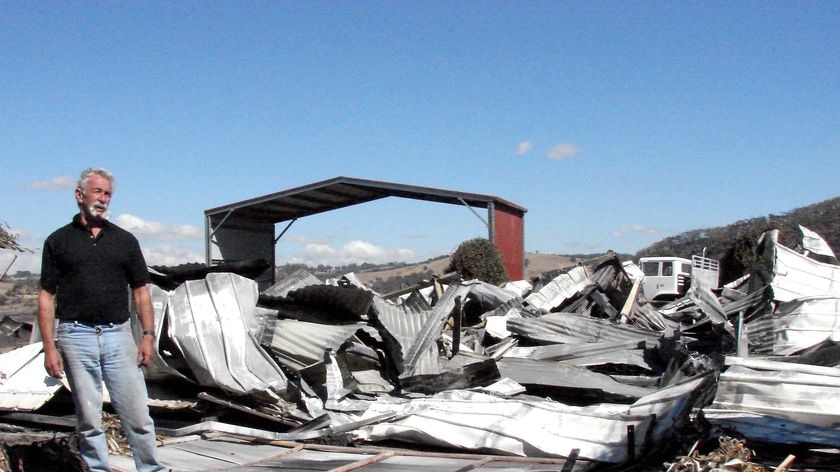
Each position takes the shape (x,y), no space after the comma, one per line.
(149,332)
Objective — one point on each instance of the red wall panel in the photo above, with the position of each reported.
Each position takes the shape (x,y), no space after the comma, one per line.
(510,240)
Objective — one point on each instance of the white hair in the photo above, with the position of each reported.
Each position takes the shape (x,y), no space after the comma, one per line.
(88,173)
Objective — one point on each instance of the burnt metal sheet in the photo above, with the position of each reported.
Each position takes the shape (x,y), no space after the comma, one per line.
(518,288)
(563,375)
(322,303)
(487,294)
(813,242)
(744,303)
(496,326)
(646,316)
(401,324)
(796,276)
(671,405)
(588,354)
(299,435)
(416,330)
(826,353)
(299,344)
(709,305)
(12,326)
(299,279)
(770,429)
(570,328)
(460,372)
(561,288)
(782,392)
(805,322)
(432,328)
(760,335)
(226,452)
(160,367)
(795,325)
(477,421)
(24,382)
(207,321)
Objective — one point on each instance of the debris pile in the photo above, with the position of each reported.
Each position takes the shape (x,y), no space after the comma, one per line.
(731,455)
(576,365)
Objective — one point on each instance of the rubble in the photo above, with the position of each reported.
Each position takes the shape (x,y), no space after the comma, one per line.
(574,370)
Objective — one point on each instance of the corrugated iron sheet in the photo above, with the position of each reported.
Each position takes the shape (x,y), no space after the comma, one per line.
(804,322)
(299,344)
(402,323)
(770,394)
(795,325)
(477,421)
(559,289)
(570,328)
(299,279)
(207,321)
(160,368)
(561,374)
(24,382)
(588,354)
(796,276)
(224,452)
(430,332)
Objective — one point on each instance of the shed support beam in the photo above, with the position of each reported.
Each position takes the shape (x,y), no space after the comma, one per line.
(491,233)
(284,230)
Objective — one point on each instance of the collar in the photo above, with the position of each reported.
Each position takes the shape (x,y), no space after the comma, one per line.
(77,223)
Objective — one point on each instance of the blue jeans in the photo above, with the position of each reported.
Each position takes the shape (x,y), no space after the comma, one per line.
(94,353)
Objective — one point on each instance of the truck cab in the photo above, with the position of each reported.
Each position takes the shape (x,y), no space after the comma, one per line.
(668,278)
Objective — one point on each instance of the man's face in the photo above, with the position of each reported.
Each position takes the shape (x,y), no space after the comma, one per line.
(95,199)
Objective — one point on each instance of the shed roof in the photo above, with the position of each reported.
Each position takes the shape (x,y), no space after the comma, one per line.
(340,192)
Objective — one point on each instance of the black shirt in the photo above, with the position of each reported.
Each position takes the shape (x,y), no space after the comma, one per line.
(90,276)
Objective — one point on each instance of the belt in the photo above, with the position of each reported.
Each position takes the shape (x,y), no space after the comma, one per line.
(92,324)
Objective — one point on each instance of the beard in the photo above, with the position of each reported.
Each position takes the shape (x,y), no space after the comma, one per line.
(98,212)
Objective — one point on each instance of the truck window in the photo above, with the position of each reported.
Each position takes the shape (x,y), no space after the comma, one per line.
(686,268)
(668,268)
(650,268)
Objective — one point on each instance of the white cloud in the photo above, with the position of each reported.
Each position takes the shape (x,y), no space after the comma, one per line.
(62,182)
(153,230)
(634,229)
(353,252)
(303,240)
(562,151)
(523,148)
(171,256)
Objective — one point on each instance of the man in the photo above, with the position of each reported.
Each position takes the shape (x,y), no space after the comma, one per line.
(87,269)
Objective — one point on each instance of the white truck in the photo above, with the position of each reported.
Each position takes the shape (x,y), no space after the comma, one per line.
(668,278)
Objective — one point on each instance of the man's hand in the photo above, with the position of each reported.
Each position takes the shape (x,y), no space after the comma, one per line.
(146,315)
(46,322)
(146,351)
(53,363)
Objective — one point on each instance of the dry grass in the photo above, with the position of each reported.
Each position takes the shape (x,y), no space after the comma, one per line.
(535,264)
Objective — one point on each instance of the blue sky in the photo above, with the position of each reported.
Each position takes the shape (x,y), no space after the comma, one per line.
(615,124)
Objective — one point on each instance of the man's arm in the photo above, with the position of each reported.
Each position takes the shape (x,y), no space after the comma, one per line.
(146,315)
(46,323)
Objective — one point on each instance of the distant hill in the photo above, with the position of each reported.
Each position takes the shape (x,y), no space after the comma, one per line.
(734,244)
(535,264)
(386,278)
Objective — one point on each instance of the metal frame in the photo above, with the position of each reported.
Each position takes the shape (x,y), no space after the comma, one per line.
(339,192)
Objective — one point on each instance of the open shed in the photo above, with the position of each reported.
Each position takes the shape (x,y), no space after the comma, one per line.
(246,230)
